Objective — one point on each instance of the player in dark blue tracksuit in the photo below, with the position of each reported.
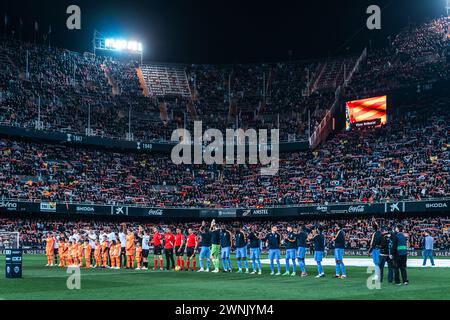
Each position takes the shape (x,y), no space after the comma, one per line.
(205,245)
(255,251)
(385,255)
(319,250)
(339,247)
(374,249)
(241,250)
(400,254)
(302,236)
(225,245)
(291,251)
(273,239)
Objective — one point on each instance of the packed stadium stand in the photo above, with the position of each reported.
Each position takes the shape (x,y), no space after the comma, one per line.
(55,90)
(165,80)
(418,55)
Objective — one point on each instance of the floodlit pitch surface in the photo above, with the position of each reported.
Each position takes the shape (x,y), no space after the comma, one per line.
(41,282)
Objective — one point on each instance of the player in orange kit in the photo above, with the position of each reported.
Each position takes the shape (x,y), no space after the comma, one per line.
(130,248)
(68,253)
(105,252)
(74,253)
(49,249)
(97,254)
(138,256)
(62,250)
(87,254)
(80,249)
(112,254)
(118,248)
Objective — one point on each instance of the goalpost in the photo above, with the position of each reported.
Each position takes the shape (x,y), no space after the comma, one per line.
(10,247)
(9,240)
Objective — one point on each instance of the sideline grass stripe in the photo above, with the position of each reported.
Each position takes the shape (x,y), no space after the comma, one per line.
(41,282)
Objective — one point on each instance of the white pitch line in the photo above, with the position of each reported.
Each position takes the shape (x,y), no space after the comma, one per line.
(106,273)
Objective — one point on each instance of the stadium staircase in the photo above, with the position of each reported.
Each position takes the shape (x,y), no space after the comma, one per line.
(163,113)
(165,80)
(142,82)
(327,80)
(4,61)
(330,74)
(192,111)
(269,85)
(327,125)
(317,75)
(264,104)
(112,83)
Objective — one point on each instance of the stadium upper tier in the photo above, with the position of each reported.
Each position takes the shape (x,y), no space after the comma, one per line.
(406,159)
(99,96)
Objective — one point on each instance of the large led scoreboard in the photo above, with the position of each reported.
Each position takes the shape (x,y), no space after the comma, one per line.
(370,112)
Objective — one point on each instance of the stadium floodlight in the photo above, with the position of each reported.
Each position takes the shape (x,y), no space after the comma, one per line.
(119,45)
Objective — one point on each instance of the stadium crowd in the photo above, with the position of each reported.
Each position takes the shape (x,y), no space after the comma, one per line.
(408,159)
(65,91)
(417,56)
(75,89)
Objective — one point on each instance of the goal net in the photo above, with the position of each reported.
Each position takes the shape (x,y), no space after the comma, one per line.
(9,240)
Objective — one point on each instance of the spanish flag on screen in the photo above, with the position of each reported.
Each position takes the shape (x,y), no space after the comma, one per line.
(366,110)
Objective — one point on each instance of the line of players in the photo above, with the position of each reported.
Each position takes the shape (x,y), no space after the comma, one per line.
(214,243)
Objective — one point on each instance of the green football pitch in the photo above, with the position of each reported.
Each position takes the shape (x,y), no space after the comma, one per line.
(39,282)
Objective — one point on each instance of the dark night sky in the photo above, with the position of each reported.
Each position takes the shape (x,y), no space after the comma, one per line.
(219,31)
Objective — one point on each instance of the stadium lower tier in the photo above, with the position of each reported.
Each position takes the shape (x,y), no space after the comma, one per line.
(406,160)
(34,229)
